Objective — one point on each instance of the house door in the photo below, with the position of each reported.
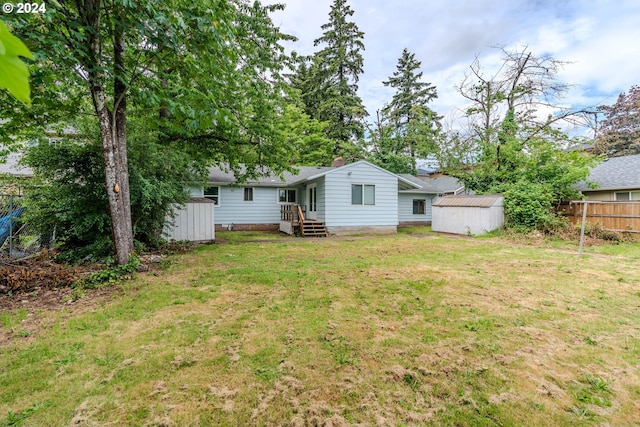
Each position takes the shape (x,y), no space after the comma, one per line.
(311,202)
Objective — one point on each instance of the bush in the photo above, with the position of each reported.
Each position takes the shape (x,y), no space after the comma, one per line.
(528,206)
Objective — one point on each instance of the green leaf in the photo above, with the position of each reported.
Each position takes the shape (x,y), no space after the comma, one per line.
(14,75)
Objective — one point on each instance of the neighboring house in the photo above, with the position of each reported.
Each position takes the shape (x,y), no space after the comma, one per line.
(616,179)
(346,198)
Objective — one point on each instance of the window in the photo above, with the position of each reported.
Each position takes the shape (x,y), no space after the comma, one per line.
(419,206)
(623,195)
(627,195)
(248,194)
(362,194)
(286,196)
(213,193)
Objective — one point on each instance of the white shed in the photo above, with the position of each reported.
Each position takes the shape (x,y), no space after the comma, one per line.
(468,214)
(194,222)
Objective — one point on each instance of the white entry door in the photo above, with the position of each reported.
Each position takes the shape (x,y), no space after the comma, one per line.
(311,202)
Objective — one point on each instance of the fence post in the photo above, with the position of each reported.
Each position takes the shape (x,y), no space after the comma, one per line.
(10,225)
(584,220)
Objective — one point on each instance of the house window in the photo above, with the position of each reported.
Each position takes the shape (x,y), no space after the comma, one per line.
(419,207)
(363,194)
(627,195)
(286,196)
(248,194)
(213,193)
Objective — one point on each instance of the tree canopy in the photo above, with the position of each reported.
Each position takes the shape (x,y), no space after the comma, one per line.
(210,70)
(619,132)
(328,82)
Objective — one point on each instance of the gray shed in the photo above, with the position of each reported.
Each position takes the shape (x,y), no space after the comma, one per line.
(468,214)
(193,222)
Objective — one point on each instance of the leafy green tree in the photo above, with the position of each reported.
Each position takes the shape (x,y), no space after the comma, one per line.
(68,192)
(14,75)
(619,132)
(210,69)
(335,71)
(533,175)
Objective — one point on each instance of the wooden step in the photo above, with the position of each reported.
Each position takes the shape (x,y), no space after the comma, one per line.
(313,229)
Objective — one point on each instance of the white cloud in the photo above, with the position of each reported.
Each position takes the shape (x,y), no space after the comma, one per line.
(600,38)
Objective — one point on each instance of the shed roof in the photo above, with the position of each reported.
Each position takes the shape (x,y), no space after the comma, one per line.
(483,201)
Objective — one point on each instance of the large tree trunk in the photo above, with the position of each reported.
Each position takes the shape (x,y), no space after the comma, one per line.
(112,128)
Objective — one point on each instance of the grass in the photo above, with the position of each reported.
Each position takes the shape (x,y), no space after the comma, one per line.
(411,329)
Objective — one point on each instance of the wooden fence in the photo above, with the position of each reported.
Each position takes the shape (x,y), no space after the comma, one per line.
(615,216)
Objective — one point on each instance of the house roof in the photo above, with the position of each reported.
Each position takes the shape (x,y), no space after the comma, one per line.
(482,201)
(224,176)
(439,185)
(615,173)
(304,174)
(403,183)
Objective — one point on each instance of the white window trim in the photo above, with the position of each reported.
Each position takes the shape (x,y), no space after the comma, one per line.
(286,189)
(204,194)
(425,206)
(363,185)
(253,194)
(630,194)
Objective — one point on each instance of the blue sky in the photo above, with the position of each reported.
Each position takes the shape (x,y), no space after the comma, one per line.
(600,39)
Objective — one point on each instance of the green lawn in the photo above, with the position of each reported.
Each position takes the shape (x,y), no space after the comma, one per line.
(412,329)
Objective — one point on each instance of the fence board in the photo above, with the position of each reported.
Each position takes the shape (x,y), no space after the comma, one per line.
(614,216)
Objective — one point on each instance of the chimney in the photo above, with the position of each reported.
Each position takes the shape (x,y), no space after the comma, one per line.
(337,162)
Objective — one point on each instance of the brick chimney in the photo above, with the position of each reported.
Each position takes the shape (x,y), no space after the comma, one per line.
(337,162)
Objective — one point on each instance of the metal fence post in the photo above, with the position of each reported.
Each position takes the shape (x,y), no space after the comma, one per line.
(10,225)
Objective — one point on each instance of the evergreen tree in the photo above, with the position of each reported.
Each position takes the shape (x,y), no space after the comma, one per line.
(335,70)
(410,126)
(412,95)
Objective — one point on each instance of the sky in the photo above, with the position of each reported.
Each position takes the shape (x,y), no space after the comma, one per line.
(599,39)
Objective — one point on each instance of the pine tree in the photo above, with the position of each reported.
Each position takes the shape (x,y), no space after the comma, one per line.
(413,124)
(335,70)
(412,95)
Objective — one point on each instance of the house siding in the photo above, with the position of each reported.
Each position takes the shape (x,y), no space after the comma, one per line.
(337,209)
(405,208)
(232,209)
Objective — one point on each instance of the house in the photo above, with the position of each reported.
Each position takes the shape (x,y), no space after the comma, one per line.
(616,178)
(468,214)
(415,205)
(343,199)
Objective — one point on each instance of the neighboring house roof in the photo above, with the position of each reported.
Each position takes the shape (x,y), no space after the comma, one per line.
(304,174)
(615,173)
(482,201)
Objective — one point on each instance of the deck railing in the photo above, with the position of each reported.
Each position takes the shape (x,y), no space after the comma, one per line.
(291,213)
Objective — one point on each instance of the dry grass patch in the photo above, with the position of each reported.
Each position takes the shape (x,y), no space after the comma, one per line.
(391,330)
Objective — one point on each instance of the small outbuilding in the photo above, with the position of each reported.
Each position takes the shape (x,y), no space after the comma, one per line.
(468,214)
(193,222)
